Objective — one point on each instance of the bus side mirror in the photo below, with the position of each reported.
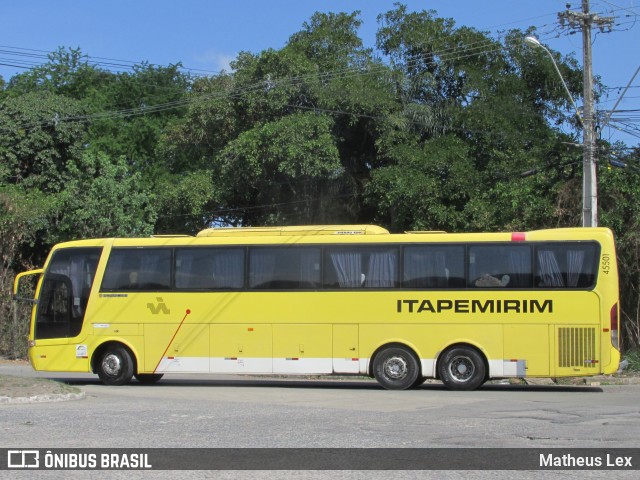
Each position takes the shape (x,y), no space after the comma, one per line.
(16,285)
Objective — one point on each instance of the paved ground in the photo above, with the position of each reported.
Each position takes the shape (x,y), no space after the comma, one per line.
(209,411)
(19,383)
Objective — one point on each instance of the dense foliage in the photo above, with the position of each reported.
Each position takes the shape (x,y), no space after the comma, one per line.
(437,127)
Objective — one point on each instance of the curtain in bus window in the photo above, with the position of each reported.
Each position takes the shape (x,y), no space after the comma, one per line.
(77,276)
(575,261)
(155,269)
(194,269)
(228,268)
(309,268)
(185,266)
(348,268)
(549,270)
(204,268)
(425,268)
(262,270)
(383,269)
(519,267)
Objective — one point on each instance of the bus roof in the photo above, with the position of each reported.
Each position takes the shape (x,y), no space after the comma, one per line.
(336,234)
(294,231)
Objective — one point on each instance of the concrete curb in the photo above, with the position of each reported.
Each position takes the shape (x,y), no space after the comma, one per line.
(49,397)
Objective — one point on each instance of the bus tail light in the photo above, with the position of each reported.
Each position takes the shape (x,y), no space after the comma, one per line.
(615,340)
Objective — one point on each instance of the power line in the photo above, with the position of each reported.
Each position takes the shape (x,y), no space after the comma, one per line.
(123,65)
(451,54)
(454,53)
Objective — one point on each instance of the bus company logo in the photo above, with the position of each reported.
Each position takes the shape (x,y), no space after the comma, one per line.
(161,307)
(474,306)
(23,459)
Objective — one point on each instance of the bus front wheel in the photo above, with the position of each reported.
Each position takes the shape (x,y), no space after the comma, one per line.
(116,366)
(462,368)
(396,368)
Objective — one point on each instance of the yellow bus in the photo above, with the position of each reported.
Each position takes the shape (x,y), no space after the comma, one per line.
(347,300)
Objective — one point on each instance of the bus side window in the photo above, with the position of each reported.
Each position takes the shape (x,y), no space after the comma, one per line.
(361,267)
(381,268)
(500,266)
(566,265)
(343,268)
(209,268)
(284,268)
(433,266)
(138,269)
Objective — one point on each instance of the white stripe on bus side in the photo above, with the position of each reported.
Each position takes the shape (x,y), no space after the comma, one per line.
(311,366)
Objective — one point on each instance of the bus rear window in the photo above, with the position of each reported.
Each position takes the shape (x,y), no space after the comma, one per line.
(566,265)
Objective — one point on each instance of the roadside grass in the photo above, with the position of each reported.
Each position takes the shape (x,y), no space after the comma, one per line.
(15,387)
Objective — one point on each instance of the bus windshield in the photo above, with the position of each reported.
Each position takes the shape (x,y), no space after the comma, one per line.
(65,292)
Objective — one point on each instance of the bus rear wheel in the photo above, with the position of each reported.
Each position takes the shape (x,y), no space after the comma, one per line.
(115,366)
(396,368)
(462,368)
(419,381)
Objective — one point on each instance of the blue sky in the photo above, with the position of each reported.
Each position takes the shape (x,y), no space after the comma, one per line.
(207,34)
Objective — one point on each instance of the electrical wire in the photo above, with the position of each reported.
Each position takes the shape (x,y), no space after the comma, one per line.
(454,53)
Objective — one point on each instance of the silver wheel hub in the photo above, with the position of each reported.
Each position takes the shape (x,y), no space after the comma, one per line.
(111,364)
(462,369)
(395,368)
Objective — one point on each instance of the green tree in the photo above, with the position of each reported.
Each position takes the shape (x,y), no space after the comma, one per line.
(282,166)
(473,101)
(67,72)
(102,197)
(38,136)
(426,187)
(140,107)
(320,98)
(619,209)
(24,214)
(124,114)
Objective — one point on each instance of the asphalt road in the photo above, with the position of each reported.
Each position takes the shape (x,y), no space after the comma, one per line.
(235,412)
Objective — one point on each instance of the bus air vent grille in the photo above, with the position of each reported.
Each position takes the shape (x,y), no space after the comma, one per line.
(577,347)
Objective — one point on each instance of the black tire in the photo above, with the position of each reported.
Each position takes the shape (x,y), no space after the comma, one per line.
(148,378)
(462,368)
(419,381)
(115,366)
(396,368)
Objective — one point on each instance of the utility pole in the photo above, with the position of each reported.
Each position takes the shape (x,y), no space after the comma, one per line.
(583,21)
